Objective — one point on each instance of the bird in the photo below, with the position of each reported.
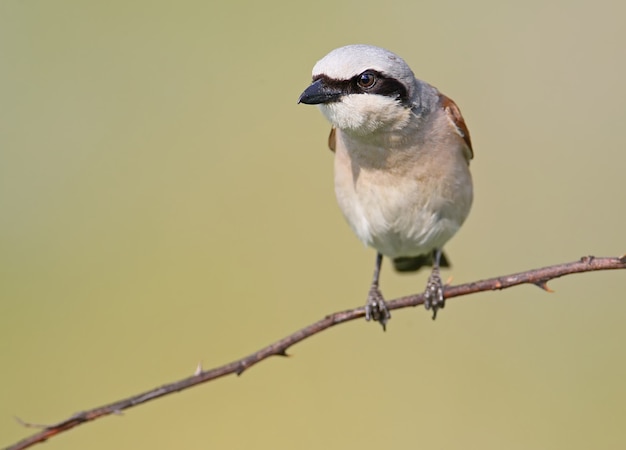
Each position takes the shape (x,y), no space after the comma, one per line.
(401,162)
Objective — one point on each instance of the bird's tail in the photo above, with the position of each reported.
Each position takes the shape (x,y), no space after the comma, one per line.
(415,263)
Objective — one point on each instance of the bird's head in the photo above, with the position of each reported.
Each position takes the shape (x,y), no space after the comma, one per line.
(362,89)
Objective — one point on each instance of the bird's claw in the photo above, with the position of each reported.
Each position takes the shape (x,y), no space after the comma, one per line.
(433,296)
(376,308)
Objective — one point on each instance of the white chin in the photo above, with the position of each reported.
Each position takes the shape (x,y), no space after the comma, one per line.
(365,113)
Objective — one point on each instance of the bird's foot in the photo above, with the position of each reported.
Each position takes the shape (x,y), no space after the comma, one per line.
(433,296)
(376,308)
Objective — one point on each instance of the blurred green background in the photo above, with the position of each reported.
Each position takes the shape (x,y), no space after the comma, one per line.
(165,201)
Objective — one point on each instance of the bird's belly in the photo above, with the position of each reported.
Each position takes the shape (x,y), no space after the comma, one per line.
(403,219)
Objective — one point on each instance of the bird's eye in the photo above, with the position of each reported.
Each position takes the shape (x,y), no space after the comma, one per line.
(366,80)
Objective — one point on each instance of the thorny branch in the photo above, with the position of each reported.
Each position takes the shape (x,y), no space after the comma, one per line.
(538,277)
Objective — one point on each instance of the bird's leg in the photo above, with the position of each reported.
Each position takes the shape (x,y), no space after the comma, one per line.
(375,308)
(433,296)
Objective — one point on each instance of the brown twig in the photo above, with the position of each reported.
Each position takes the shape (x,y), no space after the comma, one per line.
(539,277)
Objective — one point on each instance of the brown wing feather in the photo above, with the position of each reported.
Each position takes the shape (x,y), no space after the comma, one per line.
(331,139)
(454,114)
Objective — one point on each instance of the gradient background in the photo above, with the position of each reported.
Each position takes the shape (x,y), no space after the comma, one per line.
(165,201)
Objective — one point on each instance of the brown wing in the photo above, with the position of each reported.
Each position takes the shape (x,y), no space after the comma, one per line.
(331,139)
(454,114)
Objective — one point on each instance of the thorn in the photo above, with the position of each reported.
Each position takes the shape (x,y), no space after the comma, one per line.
(240,369)
(449,281)
(543,284)
(198,369)
(282,353)
(28,424)
(587,259)
(622,258)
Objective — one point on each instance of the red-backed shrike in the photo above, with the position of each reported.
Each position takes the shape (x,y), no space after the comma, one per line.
(402,153)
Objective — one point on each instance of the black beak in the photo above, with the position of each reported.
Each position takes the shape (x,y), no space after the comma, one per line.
(319,92)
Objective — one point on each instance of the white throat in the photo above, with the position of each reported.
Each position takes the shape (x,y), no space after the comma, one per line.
(366,113)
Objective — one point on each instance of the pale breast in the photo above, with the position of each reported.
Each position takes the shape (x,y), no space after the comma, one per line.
(402,212)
